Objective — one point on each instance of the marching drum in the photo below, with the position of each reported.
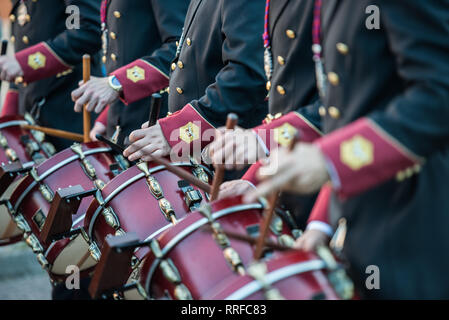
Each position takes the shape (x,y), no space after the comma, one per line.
(187,262)
(27,148)
(147,200)
(292,276)
(86,165)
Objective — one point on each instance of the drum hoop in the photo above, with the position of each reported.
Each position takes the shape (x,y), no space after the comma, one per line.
(276,276)
(55,168)
(12,124)
(192,228)
(127,184)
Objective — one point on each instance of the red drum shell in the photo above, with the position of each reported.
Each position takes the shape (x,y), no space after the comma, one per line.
(135,206)
(296,275)
(27,199)
(196,255)
(10,128)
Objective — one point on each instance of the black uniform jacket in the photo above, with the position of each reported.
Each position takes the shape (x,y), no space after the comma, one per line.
(387,140)
(50,54)
(218,69)
(293,95)
(140,44)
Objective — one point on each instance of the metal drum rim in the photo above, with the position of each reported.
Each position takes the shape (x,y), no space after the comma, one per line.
(126,184)
(192,228)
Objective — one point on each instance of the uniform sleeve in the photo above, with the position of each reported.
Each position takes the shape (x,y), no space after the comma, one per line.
(61,53)
(152,72)
(239,86)
(413,126)
(319,216)
(11,102)
(279,131)
(103,117)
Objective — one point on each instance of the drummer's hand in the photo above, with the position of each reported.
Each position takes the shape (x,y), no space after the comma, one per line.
(147,142)
(235,148)
(235,188)
(98,128)
(96,93)
(10,68)
(311,239)
(301,171)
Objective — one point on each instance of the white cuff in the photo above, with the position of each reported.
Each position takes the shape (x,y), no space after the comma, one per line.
(321,226)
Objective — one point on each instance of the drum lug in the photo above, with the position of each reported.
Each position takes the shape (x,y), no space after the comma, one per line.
(182,293)
(233,258)
(219,235)
(38,135)
(95,251)
(32,241)
(111,218)
(155,187)
(286,240)
(167,210)
(11,154)
(100,184)
(3,141)
(134,262)
(206,211)
(201,174)
(46,193)
(43,188)
(276,225)
(258,271)
(156,249)
(143,166)
(170,271)
(340,281)
(43,262)
(49,148)
(88,167)
(22,224)
(120,232)
(153,184)
(31,146)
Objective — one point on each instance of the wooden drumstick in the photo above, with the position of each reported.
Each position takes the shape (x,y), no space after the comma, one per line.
(86,114)
(55,132)
(231,123)
(269,212)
